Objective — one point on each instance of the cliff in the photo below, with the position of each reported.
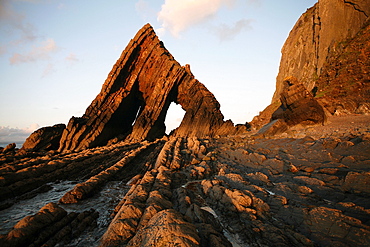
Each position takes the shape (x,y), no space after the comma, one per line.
(135,97)
(316,34)
(344,84)
(328,52)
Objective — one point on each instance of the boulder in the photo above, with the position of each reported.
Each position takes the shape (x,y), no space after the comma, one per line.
(298,106)
(357,182)
(167,228)
(44,139)
(9,148)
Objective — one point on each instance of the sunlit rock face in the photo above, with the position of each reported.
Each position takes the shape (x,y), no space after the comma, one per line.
(136,95)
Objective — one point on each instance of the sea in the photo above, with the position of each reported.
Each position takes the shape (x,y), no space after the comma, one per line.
(18,144)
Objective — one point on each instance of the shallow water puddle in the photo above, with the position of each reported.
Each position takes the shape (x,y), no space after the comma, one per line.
(10,216)
(103,202)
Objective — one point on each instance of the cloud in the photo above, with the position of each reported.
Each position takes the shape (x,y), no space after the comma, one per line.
(72,58)
(226,32)
(36,53)
(11,21)
(49,69)
(177,16)
(143,8)
(61,6)
(10,135)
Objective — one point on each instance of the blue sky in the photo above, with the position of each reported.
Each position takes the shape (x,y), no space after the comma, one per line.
(56,54)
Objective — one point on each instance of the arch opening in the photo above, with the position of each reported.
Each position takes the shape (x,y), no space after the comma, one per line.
(174,116)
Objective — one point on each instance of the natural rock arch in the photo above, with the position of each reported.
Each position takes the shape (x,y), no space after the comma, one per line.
(135,97)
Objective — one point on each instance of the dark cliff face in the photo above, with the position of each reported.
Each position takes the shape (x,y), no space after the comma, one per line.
(136,95)
(317,33)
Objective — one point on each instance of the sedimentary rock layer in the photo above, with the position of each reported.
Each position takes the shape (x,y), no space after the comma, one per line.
(135,97)
(307,187)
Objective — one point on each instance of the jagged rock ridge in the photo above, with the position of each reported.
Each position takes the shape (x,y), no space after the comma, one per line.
(136,96)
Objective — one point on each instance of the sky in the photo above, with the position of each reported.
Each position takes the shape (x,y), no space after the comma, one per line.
(56,54)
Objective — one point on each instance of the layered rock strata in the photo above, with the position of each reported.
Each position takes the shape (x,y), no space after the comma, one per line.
(136,95)
(306,187)
(50,226)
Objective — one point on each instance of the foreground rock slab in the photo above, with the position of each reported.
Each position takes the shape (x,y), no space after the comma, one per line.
(305,187)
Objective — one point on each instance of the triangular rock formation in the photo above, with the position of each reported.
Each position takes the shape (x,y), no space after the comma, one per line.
(136,95)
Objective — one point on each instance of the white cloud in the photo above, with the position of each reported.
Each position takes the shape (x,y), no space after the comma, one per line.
(226,32)
(11,21)
(36,53)
(10,135)
(176,16)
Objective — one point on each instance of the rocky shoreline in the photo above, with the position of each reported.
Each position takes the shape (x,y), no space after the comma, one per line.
(306,187)
(297,175)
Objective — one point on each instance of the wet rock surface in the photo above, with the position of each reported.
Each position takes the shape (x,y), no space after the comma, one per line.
(305,187)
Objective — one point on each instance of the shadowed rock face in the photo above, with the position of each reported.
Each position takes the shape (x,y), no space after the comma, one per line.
(298,106)
(344,84)
(46,138)
(136,95)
